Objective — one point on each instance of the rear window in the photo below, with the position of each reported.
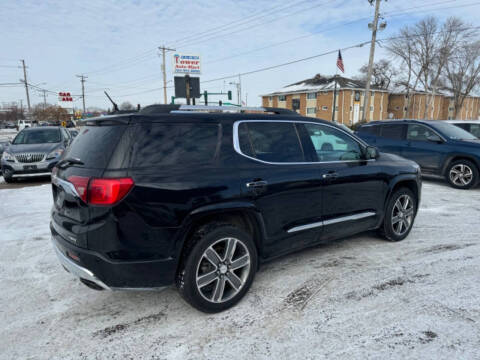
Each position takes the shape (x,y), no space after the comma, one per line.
(95,145)
(393,131)
(161,144)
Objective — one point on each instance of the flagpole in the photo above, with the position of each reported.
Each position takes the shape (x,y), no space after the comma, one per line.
(334,93)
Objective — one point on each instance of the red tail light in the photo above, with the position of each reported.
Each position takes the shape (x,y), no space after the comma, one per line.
(81,185)
(101,191)
(108,191)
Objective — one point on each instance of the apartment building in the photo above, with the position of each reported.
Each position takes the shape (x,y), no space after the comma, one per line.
(315,97)
(441,106)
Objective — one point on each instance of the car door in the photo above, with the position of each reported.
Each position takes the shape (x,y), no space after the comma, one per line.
(353,188)
(278,178)
(425,147)
(392,138)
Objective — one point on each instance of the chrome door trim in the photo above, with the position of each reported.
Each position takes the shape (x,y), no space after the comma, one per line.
(236,143)
(358,216)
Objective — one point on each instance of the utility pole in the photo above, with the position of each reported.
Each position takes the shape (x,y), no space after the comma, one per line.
(374,27)
(82,80)
(239,89)
(164,71)
(44,98)
(26,84)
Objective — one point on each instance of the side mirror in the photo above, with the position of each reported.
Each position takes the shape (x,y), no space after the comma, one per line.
(371,152)
(434,138)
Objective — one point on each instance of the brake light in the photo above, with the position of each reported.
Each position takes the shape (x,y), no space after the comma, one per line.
(81,184)
(108,191)
(101,191)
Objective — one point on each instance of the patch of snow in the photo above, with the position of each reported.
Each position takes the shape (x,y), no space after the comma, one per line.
(361,297)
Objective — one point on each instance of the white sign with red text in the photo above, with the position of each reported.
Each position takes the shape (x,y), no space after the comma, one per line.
(186,64)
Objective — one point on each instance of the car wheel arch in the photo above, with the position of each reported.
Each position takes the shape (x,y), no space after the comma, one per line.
(453,158)
(407,181)
(246,218)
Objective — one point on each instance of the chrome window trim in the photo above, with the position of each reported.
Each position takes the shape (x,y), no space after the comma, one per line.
(358,216)
(236,143)
(67,186)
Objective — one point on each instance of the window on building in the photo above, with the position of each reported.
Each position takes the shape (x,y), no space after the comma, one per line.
(397,107)
(311,95)
(311,110)
(451,108)
(324,108)
(336,108)
(270,98)
(371,108)
(351,108)
(282,98)
(361,108)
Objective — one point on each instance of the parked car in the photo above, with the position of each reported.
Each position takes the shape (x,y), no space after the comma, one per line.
(23,124)
(200,199)
(10,125)
(472,126)
(34,152)
(440,148)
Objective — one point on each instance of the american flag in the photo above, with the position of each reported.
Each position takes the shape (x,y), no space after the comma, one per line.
(340,62)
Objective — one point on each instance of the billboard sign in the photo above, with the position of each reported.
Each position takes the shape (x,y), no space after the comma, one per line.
(186,64)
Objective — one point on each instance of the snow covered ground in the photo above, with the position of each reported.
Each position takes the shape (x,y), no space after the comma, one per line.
(357,298)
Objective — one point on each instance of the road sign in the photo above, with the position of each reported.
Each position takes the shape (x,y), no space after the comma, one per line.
(186,64)
(181,87)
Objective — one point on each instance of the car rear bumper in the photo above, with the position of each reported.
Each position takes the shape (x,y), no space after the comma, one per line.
(113,275)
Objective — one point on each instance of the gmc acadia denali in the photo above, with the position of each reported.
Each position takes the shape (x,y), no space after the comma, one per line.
(200,197)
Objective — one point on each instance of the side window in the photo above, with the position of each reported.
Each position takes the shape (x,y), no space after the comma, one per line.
(161,144)
(333,145)
(370,129)
(393,131)
(271,141)
(418,132)
(475,130)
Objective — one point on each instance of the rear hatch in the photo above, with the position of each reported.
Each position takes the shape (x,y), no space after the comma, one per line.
(95,157)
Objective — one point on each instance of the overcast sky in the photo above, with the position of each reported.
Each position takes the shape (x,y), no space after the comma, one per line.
(114,42)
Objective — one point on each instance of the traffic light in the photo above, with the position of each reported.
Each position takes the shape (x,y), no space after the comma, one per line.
(229,94)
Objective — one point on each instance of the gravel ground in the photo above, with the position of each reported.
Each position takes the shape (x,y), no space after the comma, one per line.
(356,298)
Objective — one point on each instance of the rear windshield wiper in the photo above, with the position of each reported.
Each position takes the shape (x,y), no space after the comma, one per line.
(62,164)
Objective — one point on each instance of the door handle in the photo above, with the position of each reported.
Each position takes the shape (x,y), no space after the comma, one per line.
(330,175)
(256,184)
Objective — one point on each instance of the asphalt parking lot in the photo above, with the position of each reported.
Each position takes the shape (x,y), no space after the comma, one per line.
(357,298)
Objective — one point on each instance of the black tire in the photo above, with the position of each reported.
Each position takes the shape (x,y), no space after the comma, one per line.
(466,179)
(390,227)
(214,236)
(7,176)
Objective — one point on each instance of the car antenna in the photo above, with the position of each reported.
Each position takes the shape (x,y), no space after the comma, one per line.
(115,106)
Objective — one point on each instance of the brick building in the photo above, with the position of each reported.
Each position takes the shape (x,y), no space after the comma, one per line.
(314,97)
(441,106)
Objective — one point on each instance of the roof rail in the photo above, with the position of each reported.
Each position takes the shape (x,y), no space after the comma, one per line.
(175,108)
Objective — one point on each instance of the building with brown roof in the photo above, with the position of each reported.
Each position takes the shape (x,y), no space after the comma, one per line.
(314,97)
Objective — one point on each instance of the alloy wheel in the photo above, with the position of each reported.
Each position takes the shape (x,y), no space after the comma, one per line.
(402,215)
(223,270)
(461,175)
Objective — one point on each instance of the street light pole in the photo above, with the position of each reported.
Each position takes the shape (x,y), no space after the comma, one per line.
(164,72)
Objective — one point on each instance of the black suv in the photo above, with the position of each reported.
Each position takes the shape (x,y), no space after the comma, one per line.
(173,195)
(440,148)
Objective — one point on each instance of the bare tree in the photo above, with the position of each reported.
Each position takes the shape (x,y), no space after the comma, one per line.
(383,73)
(463,73)
(401,47)
(126,106)
(425,50)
